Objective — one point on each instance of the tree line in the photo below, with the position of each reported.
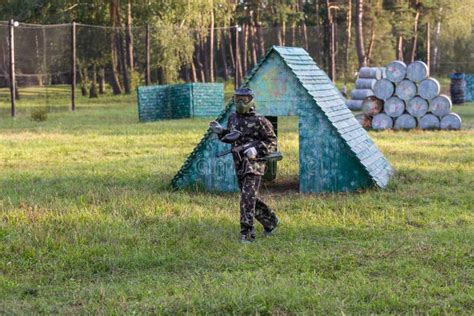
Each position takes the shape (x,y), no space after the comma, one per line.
(197,40)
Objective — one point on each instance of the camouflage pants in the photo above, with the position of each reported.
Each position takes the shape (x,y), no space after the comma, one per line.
(251,206)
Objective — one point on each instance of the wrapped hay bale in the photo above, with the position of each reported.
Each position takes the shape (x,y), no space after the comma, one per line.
(441,105)
(404,121)
(406,89)
(417,106)
(370,72)
(429,121)
(384,89)
(417,71)
(452,121)
(364,120)
(382,121)
(396,71)
(394,106)
(429,88)
(354,105)
(372,105)
(365,83)
(360,94)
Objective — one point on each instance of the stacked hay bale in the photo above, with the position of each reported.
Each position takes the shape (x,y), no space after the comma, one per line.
(364,86)
(407,98)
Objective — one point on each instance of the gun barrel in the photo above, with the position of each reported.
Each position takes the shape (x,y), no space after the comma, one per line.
(276,156)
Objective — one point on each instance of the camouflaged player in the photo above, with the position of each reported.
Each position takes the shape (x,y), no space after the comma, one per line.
(259,139)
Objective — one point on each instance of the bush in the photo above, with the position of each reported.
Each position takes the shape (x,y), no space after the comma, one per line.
(39,114)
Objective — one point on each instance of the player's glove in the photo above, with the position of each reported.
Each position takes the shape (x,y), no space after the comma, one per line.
(251,153)
(216,127)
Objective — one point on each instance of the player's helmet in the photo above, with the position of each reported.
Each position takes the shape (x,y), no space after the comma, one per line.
(244,100)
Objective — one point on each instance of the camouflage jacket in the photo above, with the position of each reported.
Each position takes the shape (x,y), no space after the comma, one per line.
(254,128)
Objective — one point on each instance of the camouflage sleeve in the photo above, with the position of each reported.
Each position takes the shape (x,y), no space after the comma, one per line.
(226,130)
(268,139)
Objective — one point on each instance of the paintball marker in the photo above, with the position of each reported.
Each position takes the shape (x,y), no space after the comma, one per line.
(240,150)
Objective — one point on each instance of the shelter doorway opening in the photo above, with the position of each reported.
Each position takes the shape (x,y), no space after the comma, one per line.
(283,176)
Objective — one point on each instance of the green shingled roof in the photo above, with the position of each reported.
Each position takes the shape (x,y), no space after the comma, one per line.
(331,102)
(328,98)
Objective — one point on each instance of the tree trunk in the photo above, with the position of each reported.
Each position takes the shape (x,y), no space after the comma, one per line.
(38,57)
(204,61)
(115,83)
(123,63)
(102,81)
(348,37)
(316,9)
(414,39)
(283,32)
(238,62)
(129,37)
(205,55)
(224,55)
(253,41)
(245,31)
(331,44)
(83,78)
(400,48)
(44,64)
(193,72)
(201,76)
(93,90)
(371,43)
(360,32)
(187,73)
(436,45)
(17,91)
(305,35)
(120,44)
(293,34)
(319,31)
(230,42)
(211,46)
(428,45)
(261,40)
(254,45)
(279,38)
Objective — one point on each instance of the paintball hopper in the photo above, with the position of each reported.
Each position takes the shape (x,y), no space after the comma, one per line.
(231,137)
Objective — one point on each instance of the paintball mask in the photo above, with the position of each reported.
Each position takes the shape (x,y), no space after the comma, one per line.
(244,100)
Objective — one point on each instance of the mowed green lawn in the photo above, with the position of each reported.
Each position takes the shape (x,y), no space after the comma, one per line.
(89,223)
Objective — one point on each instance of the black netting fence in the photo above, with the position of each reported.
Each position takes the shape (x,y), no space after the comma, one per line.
(115,60)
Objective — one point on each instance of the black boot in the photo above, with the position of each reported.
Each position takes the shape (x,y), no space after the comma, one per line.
(247,236)
(270,231)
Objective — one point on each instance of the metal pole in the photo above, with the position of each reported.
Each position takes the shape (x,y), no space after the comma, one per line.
(73,67)
(148,72)
(11,37)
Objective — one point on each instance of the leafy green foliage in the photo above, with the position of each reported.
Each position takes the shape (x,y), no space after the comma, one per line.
(39,114)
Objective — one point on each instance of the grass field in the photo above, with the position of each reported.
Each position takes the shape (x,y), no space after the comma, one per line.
(89,224)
